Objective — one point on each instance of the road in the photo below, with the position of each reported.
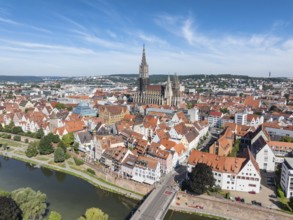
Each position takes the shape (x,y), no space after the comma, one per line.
(208,142)
(157,203)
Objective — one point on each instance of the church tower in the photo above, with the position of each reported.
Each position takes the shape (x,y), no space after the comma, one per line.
(143,79)
(168,92)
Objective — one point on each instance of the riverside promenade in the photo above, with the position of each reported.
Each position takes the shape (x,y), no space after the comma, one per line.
(66,169)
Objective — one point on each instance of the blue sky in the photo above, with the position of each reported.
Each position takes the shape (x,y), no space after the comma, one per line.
(91,37)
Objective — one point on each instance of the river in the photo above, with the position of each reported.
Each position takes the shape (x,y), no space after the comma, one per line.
(69,195)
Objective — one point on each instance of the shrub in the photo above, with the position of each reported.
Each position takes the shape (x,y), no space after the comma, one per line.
(67,155)
(32,149)
(78,162)
(17,138)
(59,155)
(26,140)
(91,171)
(7,136)
(280,192)
(227,195)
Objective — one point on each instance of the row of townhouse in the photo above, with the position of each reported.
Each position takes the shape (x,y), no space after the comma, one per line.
(138,168)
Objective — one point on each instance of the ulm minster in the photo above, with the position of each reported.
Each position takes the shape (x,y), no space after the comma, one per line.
(84,140)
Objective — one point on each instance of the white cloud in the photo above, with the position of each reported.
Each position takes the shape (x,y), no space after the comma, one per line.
(16,23)
(187,31)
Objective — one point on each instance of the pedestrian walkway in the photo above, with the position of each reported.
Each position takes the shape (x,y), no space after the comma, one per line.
(67,169)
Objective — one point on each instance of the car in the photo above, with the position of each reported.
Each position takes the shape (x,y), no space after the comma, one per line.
(242,200)
(253,202)
(273,196)
(258,203)
(251,192)
(237,198)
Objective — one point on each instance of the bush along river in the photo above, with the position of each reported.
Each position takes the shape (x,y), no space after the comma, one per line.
(69,195)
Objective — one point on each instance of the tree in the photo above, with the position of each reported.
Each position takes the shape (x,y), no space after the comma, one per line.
(60,106)
(17,138)
(287,139)
(53,137)
(68,139)
(94,214)
(224,110)
(16,130)
(75,147)
(59,155)
(200,179)
(45,146)
(62,145)
(33,204)
(54,216)
(39,134)
(32,149)
(9,209)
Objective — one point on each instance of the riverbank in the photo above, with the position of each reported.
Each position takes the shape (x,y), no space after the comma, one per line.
(65,168)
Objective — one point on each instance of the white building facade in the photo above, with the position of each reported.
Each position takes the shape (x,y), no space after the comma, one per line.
(287,177)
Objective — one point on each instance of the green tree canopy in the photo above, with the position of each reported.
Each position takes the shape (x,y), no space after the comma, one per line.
(68,139)
(16,130)
(9,209)
(53,137)
(39,134)
(33,204)
(59,155)
(62,145)
(54,216)
(45,146)
(200,179)
(60,106)
(32,149)
(94,214)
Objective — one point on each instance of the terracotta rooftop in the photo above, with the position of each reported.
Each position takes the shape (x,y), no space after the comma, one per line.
(221,164)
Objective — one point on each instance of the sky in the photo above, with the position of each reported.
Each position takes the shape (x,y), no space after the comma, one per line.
(101,37)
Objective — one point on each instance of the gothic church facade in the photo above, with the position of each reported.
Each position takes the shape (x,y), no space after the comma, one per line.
(168,94)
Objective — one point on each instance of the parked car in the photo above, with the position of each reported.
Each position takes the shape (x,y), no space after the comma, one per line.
(252,192)
(273,196)
(258,203)
(253,202)
(242,200)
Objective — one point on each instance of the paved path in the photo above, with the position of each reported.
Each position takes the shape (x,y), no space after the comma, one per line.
(85,176)
(225,208)
(157,203)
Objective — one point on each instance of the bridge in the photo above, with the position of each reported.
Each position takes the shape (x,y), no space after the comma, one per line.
(157,203)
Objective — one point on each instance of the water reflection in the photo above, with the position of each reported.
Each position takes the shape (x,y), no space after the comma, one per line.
(60,176)
(47,172)
(31,167)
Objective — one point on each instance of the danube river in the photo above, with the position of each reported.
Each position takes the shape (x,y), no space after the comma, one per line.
(69,195)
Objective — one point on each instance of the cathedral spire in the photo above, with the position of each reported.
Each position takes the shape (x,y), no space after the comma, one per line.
(143,68)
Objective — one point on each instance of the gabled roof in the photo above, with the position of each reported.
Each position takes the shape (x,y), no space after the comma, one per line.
(217,163)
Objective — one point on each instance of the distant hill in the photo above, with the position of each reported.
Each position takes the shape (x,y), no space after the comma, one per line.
(161,77)
(22,79)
